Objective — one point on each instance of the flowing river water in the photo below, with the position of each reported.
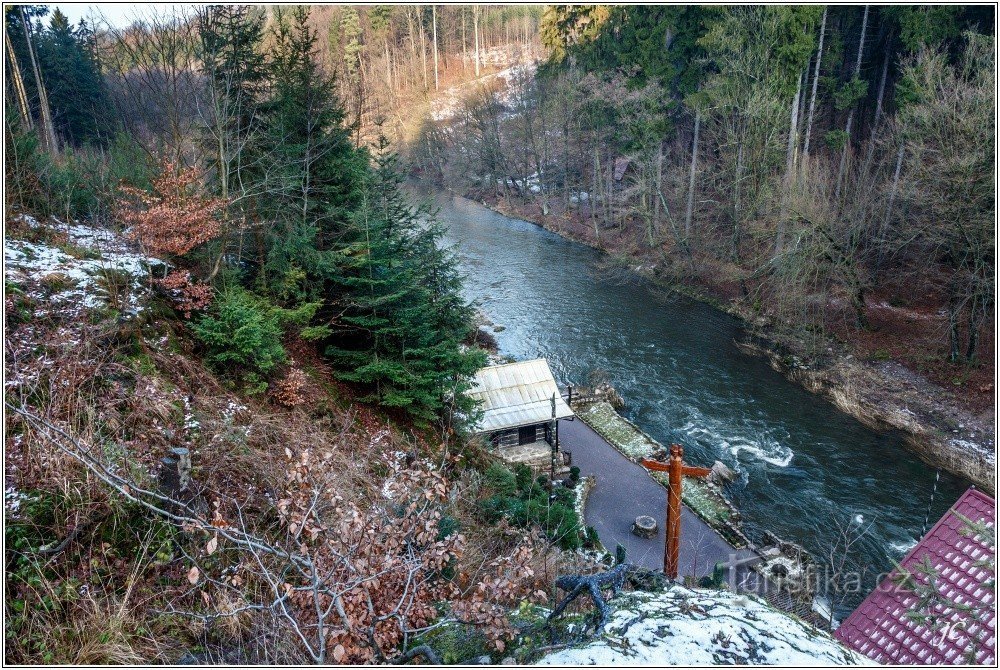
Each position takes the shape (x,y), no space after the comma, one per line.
(807,471)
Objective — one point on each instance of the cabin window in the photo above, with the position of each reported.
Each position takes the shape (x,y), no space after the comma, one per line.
(526,435)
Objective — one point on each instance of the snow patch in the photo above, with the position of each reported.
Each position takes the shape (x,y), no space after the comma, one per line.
(83,274)
(693,627)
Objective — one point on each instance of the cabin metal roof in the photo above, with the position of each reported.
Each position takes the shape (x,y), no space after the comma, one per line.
(883,627)
(517,394)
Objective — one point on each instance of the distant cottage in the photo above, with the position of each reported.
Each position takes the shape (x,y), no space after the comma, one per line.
(949,617)
(521,407)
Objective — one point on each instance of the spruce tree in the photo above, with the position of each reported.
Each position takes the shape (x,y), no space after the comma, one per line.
(76,90)
(403,318)
(313,172)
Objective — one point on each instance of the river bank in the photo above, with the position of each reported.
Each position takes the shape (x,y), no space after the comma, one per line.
(882,394)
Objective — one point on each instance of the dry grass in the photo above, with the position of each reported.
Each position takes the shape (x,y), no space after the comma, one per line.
(115,388)
(92,578)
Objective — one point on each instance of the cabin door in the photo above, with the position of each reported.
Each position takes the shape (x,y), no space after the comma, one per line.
(526,435)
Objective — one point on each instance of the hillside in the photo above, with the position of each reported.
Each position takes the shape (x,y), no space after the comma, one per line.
(152,510)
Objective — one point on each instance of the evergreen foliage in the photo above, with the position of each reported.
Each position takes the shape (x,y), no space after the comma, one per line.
(525,503)
(312,182)
(311,235)
(402,315)
(77,92)
(76,89)
(242,336)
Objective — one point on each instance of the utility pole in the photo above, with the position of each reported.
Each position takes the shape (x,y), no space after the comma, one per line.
(554,436)
(676,471)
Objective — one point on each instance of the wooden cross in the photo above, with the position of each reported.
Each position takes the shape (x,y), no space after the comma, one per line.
(676,470)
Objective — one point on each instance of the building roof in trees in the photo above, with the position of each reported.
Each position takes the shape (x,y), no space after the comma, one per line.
(517,394)
(958,590)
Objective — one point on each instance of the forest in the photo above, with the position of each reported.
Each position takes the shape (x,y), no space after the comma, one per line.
(828,169)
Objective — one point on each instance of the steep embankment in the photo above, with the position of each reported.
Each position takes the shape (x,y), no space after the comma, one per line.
(155,514)
(886,395)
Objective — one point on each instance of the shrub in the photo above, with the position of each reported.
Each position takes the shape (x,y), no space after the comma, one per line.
(523,501)
(288,392)
(176,217)
(500,480)
(187,294)
(76,183)
(574,473)
(243,337)
(523,475)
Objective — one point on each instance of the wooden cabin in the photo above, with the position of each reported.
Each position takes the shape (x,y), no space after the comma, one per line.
(521,407)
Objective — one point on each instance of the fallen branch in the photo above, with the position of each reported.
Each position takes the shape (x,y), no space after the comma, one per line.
(594,585)
(53,549)
(420,650)
(613,580)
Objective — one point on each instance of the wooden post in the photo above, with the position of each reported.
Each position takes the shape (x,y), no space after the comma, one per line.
(676,471)
(671,550)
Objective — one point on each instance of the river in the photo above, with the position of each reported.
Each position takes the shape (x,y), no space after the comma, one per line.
(807,471)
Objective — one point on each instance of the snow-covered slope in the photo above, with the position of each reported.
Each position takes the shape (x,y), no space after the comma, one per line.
(90,268)
(700,627)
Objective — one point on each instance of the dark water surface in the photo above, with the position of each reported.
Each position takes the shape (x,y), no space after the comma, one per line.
(806,469)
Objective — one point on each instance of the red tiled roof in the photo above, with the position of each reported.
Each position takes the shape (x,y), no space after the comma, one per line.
(880,627)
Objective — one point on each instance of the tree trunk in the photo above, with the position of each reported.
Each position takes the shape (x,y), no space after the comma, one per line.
(658,184)
(48,130)
(881,85)
(737,213)
(434,23)
(953,314)
(465,44)
(793,133)
(566,165)
(423,49)
(878,101)
(691,178)
(15,74)
(610,193)
(888,209)
(815,84)
(850,115)
(388,67)
(475,32)
(593,195)
(858,303)
(977,314)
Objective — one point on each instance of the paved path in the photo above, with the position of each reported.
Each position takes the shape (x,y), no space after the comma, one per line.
(623,491)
